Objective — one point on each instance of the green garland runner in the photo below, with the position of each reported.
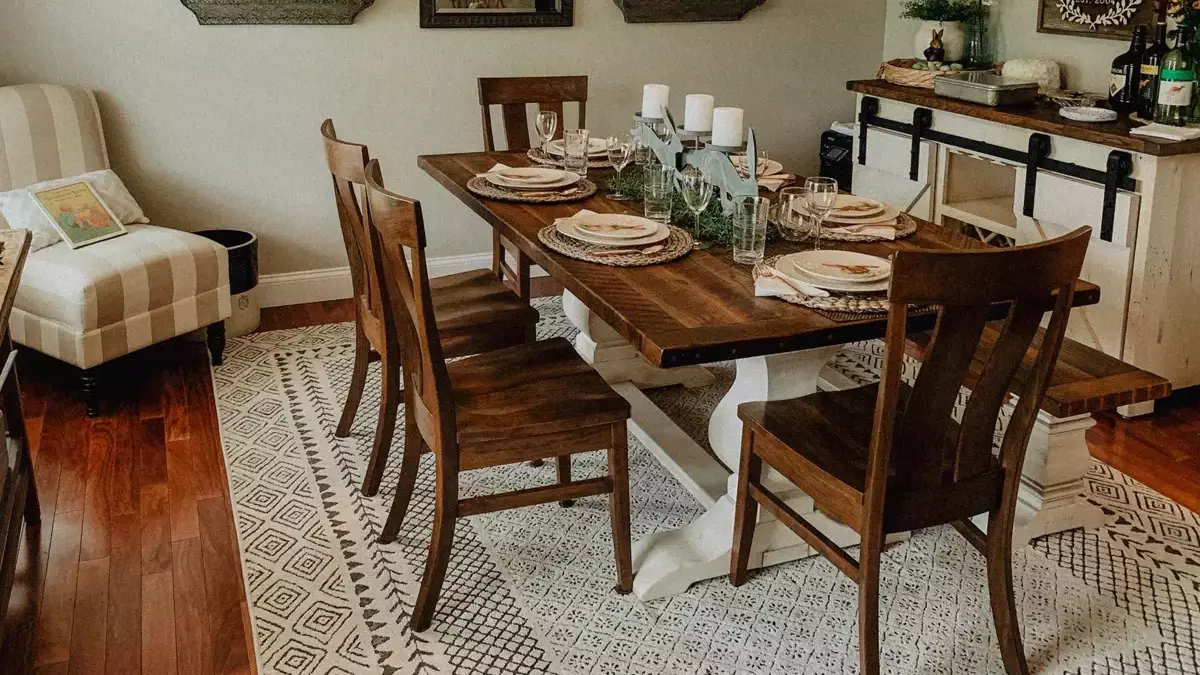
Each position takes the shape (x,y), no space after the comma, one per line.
(715,226)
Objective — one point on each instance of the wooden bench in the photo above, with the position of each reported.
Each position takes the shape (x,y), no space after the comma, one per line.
(1084,382)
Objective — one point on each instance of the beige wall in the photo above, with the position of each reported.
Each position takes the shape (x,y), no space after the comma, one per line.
(1085,61)
(217,126)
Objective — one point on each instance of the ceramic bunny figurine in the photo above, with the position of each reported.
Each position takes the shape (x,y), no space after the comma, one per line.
(936,51)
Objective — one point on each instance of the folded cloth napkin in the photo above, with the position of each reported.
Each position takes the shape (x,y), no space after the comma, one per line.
(882,231)
(775,285)
(1167,132)
(774,182)
(494,169)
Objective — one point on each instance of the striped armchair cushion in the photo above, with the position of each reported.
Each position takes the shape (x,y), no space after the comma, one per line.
(46,132)
(96,303)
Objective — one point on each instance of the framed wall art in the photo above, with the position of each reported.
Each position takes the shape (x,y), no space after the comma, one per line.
(496,13)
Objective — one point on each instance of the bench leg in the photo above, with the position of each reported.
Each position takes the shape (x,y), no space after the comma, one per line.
(1053,483)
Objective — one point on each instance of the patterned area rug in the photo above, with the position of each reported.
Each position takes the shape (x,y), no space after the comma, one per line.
(530,591)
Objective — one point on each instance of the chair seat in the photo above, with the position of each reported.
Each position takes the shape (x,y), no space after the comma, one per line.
(476,298)
(530,390)
(829,429)
(822,442)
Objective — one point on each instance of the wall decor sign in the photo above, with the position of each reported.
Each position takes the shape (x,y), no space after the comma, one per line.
(664,11)
(303,12)
(1113,19)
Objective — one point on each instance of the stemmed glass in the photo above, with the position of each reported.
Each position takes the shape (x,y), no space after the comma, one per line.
(620,153)
(546,125)
(697,193)
(821,196)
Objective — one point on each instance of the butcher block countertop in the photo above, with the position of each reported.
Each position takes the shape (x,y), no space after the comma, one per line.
(1040,116)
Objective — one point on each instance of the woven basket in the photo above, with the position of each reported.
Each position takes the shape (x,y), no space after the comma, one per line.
(900,71)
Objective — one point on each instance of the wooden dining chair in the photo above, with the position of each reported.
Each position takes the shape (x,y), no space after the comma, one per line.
(514,94)
(532,401)
(913,466)
(476,311)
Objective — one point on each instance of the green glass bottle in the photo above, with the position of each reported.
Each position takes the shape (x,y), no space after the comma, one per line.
(1177,82)
(1148,82)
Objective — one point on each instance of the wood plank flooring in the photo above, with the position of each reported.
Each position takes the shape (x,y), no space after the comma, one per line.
(135,567)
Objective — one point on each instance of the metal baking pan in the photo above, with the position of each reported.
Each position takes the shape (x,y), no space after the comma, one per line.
(986,88)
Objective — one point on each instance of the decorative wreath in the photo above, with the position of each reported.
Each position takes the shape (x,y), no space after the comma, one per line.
(1118,14)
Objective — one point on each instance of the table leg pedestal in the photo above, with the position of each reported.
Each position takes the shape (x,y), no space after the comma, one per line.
(616,360)
(1052,497)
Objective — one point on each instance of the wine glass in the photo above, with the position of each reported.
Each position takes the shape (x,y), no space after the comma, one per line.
(697,193)
(620,153)
(546,125)
(821,196)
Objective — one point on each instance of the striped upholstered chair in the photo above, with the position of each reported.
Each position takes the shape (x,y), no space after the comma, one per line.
(91,305)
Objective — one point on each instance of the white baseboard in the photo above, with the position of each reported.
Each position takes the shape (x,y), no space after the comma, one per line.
(294,288)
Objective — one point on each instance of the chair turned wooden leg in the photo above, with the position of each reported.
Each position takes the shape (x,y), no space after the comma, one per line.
(618,470)
(1000,588)
(358,381)
(444,516)
(745,512)
(215,337)
(564,477)
(869,553)
(389,403)
(410,463)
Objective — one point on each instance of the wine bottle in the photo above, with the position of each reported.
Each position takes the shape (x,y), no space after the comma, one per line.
(1176,82)
(1148,83)
(1126,68)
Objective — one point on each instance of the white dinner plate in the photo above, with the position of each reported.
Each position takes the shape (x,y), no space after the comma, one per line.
(568,178)
(767,168)
(889,214)
(851,206)
(842,266)
(533,175)
(785,267)
(597,147)
(615,226)
(566,226)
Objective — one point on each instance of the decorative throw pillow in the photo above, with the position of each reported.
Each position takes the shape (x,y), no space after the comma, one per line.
(20,211)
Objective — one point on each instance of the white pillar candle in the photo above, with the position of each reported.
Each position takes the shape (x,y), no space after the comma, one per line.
(698,115)
(654,100)
(727,127)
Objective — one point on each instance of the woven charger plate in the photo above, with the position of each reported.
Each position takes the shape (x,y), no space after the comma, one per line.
(481,187)
(906,228)
(675,246)
(542,158)
(844,303)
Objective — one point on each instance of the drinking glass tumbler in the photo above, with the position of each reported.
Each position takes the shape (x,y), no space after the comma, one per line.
(750,230)
(575,149)
(659,188)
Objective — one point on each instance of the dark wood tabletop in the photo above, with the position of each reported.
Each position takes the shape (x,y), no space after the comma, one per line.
(1040,116)
(699,309)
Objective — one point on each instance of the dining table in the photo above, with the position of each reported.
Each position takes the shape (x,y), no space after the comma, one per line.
(658,325)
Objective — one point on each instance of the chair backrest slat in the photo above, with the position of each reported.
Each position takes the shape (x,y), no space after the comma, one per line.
(513,94)
(347,166)
(929,450)
(396,230)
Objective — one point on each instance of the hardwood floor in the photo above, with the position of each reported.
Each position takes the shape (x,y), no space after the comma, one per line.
(135,567)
